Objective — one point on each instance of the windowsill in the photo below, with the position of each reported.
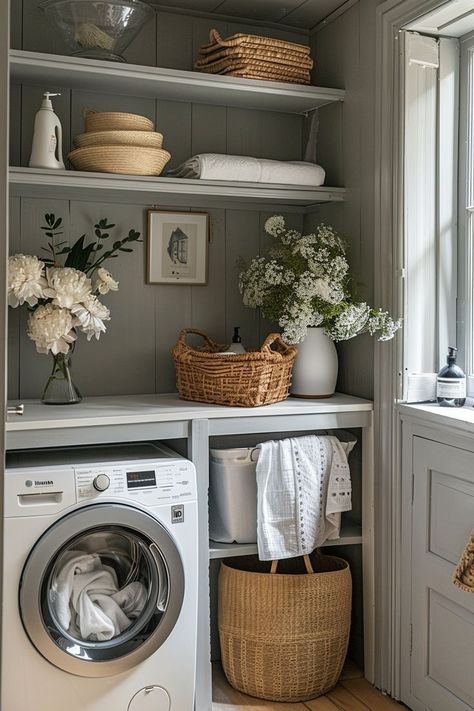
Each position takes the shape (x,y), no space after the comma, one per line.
(460,418)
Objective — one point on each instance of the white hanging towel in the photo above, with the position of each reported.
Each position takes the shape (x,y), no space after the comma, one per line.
(303,486)
(218,166)
(87,601)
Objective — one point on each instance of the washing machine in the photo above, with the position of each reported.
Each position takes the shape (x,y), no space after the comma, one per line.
(100,580)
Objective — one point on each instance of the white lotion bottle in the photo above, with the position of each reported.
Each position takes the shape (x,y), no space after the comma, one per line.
(47,149)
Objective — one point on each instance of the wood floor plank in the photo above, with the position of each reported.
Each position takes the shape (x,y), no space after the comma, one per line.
(345,701)
(371,697)
(321,704)
(225,698)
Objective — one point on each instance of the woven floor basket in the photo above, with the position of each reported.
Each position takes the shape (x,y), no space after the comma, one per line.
(247,380)
(126,160)
(284,637)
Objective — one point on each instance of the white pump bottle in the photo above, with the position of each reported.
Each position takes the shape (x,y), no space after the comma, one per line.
(47,150)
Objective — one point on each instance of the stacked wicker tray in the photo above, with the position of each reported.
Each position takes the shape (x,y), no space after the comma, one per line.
(255,57)
(116,142)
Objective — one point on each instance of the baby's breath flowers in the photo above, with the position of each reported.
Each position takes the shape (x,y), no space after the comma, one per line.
(304,283)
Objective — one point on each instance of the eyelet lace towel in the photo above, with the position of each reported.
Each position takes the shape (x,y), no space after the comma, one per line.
(464,574)
(303,486)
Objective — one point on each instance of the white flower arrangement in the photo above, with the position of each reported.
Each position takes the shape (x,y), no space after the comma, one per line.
(304,282)
(62,299)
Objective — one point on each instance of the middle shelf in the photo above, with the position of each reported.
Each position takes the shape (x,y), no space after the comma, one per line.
(108,187)
(351,534)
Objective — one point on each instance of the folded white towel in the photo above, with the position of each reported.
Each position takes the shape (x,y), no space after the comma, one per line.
(303,485)
(217,166)
(87,601)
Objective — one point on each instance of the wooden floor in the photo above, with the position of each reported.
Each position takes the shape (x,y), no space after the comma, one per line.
(353,693)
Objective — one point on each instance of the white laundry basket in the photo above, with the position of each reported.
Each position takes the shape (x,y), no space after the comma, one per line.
(233,495)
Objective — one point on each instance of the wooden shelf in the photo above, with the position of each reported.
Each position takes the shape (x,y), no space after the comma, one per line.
(351,535)
(55,71)
(107,187)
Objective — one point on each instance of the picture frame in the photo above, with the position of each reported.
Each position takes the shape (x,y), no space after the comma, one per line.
(177,247)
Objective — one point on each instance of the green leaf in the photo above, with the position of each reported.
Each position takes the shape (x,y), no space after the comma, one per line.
(75,255)
(57,223)
(125,249)
(117,245)
(97,232)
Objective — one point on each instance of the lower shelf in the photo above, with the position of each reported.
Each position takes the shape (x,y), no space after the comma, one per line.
(351,534)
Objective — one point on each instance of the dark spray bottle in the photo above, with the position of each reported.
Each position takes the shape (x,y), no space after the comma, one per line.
(451,383)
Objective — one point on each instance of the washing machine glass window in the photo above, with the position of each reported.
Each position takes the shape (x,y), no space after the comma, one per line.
(102,589)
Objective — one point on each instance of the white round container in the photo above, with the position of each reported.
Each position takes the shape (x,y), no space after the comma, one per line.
(233,495)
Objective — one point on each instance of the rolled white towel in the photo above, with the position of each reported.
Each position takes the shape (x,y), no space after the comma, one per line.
(217,166)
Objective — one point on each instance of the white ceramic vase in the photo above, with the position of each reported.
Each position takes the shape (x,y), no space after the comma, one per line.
(315,368)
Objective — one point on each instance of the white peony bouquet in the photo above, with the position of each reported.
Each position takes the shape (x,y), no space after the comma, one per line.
(63,299)
(304,282)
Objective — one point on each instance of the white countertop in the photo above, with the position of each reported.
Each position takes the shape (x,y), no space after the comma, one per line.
(137,409)
(459,417)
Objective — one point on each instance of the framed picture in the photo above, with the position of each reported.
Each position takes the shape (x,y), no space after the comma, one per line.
(177,247)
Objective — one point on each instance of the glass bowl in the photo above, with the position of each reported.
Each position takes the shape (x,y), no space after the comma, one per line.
(96,29)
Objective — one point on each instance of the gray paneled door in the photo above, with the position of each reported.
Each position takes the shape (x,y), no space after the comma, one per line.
(442,659)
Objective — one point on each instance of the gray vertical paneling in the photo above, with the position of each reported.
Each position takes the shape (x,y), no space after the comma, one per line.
(16,23)
(173,120)
(31,99)
(242,237)
(264,134)
(123,360)
(209,133)
(34,367)
(39,34)
(171,53)
(142,49)
(208,304)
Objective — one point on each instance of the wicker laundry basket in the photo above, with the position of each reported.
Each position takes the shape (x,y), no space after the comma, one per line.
(249,379)
(284,636)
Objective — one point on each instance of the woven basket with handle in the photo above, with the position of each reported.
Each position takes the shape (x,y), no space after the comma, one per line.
(249,379)
(284,636)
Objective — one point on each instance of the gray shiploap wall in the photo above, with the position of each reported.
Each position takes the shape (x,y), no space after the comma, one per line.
(134,355)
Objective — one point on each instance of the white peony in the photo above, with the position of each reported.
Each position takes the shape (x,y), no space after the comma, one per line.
(26,280)
(91,316)
(67,286)
(104,281)
(52,329)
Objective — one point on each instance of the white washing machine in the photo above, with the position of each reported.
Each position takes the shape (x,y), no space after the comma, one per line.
(100,580)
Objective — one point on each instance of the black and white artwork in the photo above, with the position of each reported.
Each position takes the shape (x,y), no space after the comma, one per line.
(177,247)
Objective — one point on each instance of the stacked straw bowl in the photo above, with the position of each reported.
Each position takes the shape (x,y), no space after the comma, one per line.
(116,142)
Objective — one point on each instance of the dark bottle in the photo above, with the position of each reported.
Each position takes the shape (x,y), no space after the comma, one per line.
(451,383)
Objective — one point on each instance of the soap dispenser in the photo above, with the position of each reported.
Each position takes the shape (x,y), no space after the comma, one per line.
(46,150)
(451,383)
(236,346)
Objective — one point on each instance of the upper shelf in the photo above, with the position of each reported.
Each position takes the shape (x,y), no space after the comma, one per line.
(57,71)
(107,187)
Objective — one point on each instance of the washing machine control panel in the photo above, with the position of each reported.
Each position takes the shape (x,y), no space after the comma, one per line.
(146,482)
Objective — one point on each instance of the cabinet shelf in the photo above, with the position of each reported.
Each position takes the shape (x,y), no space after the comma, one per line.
(351,534)
(173,84)
(108,187)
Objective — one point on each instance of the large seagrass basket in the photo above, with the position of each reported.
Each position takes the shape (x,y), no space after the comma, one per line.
(284,636)
(249,379)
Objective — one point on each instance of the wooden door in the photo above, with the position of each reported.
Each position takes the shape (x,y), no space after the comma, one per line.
(442,655)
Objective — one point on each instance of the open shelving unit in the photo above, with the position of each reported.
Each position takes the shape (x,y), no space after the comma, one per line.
(106,187)
(170,84)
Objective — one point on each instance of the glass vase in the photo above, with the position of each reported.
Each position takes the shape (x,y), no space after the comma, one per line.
(60,388)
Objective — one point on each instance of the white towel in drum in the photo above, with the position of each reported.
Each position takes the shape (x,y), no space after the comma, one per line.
(217,166)
(303,485)
(87,601)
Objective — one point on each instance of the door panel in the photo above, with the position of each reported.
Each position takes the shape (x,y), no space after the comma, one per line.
(442,614)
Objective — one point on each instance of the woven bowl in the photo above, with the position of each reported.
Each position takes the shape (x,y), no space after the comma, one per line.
(116,121)
(127,160)
(146,139)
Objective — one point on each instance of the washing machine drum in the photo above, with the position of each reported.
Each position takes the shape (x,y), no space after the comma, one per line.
(101,590)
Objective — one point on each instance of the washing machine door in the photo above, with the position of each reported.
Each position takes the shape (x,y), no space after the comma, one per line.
(101,590)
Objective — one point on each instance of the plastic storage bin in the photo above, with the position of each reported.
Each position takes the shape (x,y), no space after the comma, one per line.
(233,495)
